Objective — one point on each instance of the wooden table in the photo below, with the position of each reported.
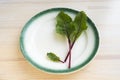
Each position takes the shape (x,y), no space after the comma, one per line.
(15,13)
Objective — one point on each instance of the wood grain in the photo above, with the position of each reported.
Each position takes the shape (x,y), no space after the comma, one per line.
(15,13)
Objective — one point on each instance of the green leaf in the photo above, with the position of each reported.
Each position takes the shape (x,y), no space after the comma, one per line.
(63,25)
(53,57)
(80,24)
(80,20)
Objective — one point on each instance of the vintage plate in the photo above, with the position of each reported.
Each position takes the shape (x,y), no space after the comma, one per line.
(39,37)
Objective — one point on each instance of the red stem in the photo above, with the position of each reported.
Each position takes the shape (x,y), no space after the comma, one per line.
(69,52)
(70,47)
(61,61)
(69,64)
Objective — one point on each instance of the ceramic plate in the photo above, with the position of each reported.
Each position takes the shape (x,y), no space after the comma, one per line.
(39,37)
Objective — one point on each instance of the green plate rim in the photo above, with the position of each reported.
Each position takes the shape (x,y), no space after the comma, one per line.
(51,70)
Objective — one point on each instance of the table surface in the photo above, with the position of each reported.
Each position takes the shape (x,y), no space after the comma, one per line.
(15,13)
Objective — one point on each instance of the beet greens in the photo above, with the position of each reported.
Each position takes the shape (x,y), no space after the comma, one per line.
(72,29)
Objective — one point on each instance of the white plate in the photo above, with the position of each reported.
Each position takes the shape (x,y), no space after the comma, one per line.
(39,37)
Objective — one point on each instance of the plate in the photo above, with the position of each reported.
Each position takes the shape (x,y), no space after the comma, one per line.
(38,37)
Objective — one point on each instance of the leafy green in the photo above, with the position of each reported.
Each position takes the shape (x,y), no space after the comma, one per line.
(64,24)
(53,57)
(80,23)
(72,29)
(81,19)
